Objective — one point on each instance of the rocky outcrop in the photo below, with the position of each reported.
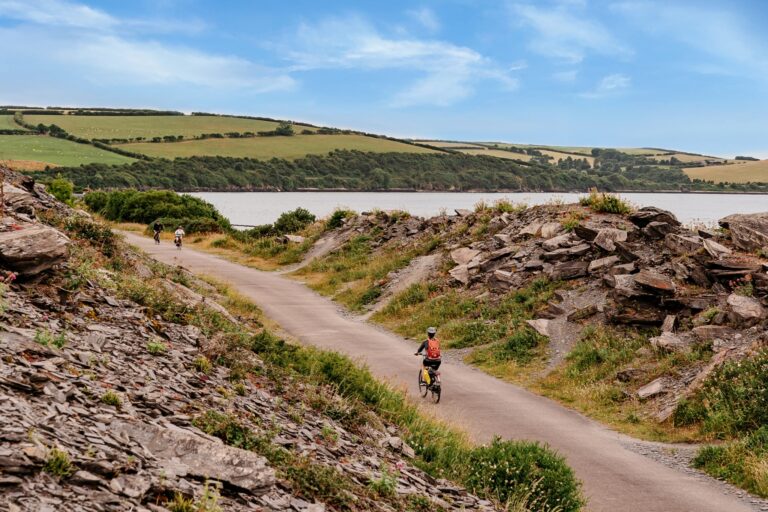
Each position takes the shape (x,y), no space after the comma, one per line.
(30,248)
(749,232)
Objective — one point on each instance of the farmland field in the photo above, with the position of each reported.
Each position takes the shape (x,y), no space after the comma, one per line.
(687,158)
(7,123)
(271,147)
(498,153)
(129,127)
(734,173)
(50,150)
(449,145)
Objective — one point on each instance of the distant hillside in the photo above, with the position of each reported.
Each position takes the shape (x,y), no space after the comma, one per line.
(224,149)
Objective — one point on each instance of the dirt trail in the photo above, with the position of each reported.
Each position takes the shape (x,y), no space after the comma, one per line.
(615,477)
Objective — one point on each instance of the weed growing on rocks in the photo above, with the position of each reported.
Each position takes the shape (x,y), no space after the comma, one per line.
(605,203)
(156,348)
(57,463)
(111,398)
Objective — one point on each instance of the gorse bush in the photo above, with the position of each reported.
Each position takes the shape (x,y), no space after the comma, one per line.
(62,189)
(293,221)
(508,470)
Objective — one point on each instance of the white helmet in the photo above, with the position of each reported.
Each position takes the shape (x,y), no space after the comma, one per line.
(432,330)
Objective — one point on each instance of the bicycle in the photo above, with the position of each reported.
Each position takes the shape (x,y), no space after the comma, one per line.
(177,241)
(429,382)
(157,237)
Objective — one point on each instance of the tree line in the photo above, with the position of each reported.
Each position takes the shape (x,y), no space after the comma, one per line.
(368,171)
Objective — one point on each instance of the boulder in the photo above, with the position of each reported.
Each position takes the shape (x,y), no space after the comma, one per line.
(653,388)
(462,212)
(184,453)
(556,242)
(715,249)
(540,325)
(682,244)
(566,253)
(712,332)
(671,342)
(464,255)
(648,214)
(603,263)
(460,273)
(607,237)
(655,282)
(670,322)
(749,232)
(658,230)
(532,229)
(585,233)
(745,309)
(625,252)
(29,249)
(550,229)
(569,270)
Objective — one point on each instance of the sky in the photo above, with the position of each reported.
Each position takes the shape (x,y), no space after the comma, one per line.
(612,73)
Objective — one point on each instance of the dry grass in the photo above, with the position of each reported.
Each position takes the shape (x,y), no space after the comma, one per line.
(733,173)
(26,165)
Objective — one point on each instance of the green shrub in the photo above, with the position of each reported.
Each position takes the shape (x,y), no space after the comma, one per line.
(510,469)
(57,463)
(386,485)
(62,189)
(688,412)
(477,332)
(111,398)
(156,348)
(605,203)
(202,364)
(293,221)
(322,483)
(95,233)
(371,295)
(736,397)
(337,218)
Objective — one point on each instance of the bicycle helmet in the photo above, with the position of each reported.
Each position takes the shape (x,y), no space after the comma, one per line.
(432,330)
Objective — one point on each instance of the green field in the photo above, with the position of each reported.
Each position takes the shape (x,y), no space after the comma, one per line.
(130,127)
(7,123)
(271,147)
(733,173)
(38,148)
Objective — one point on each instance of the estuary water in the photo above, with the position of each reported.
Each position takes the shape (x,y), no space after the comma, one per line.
(253,208)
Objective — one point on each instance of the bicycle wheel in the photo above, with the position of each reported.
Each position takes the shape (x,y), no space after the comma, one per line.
(423,387)
(436,392)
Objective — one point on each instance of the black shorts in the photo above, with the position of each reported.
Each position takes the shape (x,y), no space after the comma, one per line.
(432,363)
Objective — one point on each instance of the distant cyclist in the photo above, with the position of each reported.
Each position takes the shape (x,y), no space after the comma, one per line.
(178,236)
(432,358)
(157,228)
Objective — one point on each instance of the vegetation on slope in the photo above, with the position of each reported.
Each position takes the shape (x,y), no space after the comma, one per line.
(354,170)
(527,474)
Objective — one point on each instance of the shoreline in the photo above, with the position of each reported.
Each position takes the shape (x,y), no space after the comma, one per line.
(480,191)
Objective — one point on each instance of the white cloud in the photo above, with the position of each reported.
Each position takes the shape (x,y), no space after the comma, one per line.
(448,72)
(720,35)
(565,34)
(426,17)
(94,48)
(609,85)
(56,13)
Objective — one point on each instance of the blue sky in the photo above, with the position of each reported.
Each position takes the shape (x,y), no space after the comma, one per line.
(688,75)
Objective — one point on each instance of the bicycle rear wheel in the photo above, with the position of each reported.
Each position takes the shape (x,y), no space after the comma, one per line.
(423,386)
(436,392)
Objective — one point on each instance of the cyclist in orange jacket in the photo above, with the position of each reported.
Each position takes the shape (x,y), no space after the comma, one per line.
(431,345)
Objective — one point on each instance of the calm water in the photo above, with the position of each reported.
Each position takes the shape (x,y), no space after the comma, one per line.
(264,207)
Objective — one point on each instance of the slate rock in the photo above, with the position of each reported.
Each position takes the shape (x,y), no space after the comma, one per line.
(655,282)
(607,237)
(32,249)
(464,255)
(682,244)
(749,232)
(644,216)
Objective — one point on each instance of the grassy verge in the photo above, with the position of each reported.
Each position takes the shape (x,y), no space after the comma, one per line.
(733,405)
(265,253)
(353,275)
